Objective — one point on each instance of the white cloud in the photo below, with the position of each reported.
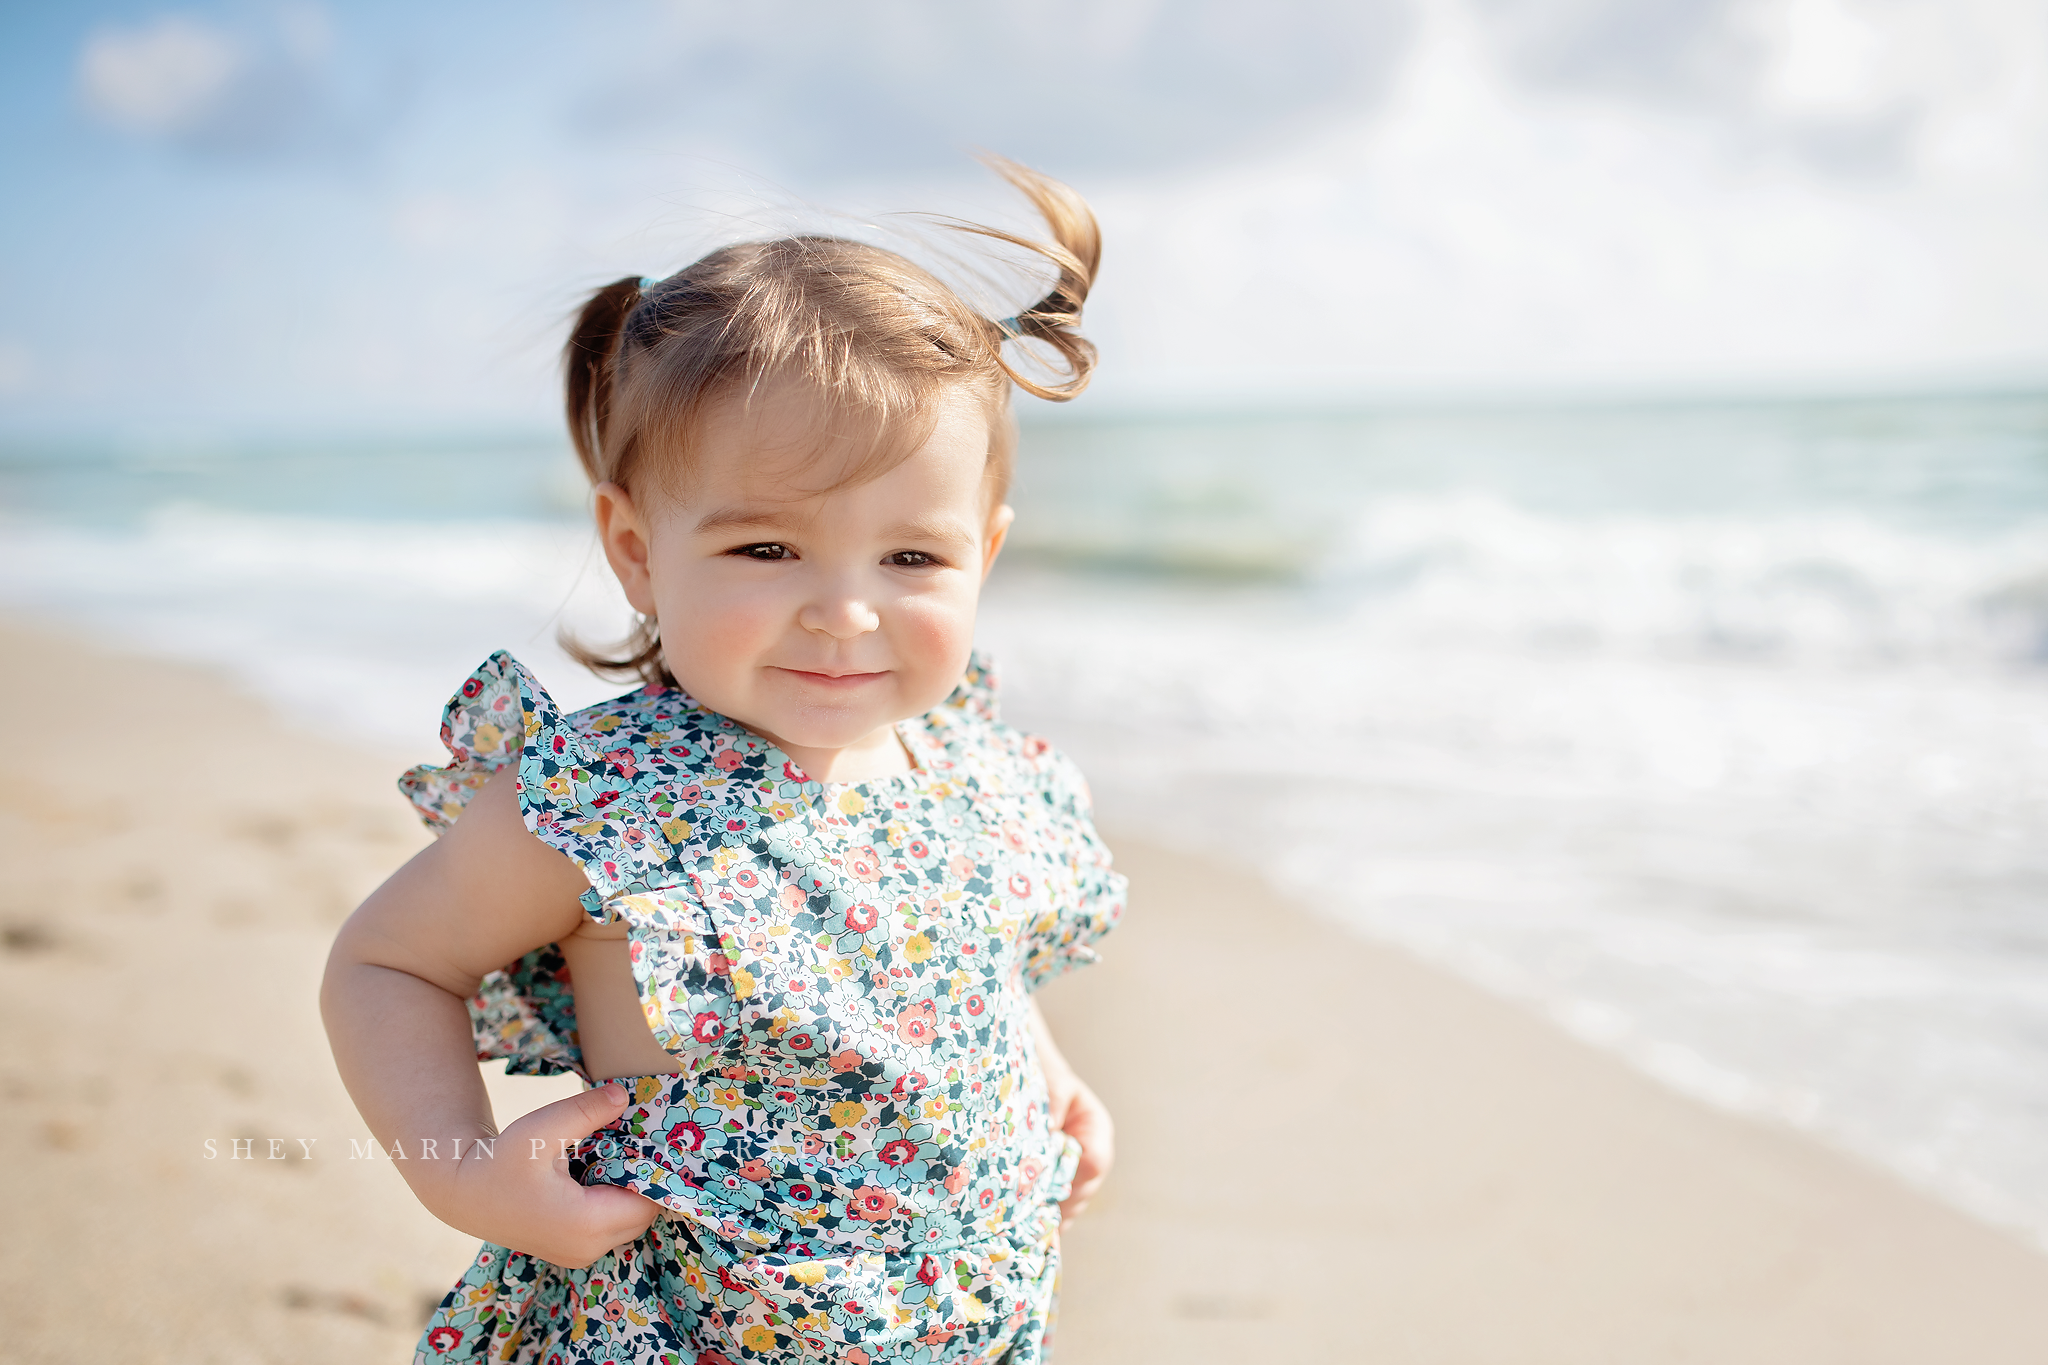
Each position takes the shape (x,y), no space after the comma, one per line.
(162,78)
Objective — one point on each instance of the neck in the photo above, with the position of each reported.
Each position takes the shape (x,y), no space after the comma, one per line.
(880,754)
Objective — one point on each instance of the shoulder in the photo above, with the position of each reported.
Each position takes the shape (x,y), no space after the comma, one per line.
(969,731)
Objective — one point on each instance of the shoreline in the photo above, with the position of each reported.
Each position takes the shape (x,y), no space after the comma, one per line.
(1327,1149)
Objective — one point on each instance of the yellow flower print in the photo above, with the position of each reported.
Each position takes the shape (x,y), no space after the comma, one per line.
(487,739)
(727,1097)
(723,859)
(693,1276)
(742,983)
(808,1272)
(783,1021)
(839,969)
(935,1107)
(973,1309)
(676,831)
(557,786)
(780,811)
(851,802)
(846,1113)
(606,724)
(917,948)
(758,1338)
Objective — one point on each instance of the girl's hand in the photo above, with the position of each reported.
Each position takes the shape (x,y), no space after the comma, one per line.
(523,1196)
(1077,1112)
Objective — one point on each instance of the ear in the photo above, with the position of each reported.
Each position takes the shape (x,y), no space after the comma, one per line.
(623,533)
(992,539)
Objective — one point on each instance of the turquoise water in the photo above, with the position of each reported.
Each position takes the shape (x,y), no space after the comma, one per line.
(1718,733)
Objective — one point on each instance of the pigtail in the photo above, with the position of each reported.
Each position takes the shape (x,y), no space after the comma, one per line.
(590,366)
(589,362)
(1076,248)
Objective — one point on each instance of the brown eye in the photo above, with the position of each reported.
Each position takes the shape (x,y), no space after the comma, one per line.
(910,559)
(767,552)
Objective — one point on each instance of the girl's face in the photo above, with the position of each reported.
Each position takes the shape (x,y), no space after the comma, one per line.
(814,619)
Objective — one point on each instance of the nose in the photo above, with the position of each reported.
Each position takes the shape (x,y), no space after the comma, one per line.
(838,610)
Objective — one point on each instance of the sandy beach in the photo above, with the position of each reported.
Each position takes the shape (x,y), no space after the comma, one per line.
(1328,1151)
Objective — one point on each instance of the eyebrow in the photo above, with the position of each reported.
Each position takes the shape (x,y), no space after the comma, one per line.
(751,518)
(939,529)
(734,518)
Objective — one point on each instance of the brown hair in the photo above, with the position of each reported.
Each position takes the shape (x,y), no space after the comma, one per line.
(876,336)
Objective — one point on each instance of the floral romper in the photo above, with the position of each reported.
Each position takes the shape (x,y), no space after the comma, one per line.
(853,1153)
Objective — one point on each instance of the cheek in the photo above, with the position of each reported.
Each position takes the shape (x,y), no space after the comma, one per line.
(708,628)
(937,630)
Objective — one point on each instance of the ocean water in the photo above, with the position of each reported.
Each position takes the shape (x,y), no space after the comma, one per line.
(1717,733)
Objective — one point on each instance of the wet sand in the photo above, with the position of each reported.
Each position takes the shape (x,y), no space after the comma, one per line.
(1328,1151)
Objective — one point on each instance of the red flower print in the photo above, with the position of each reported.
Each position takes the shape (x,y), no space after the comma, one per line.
(801,1042)
(444,1339)
(622,759)
(793,773)
(898,1153)
(803,1193)
(918,1025)
(987,1199)
(727,760)
(719,963)
(686,1137)
(908,1084)
(474,687)
(871,1204)
(756,1170)
(956,1180)
(735,826)
(560,744)
(791,898)
(976,1003)
(707,1028)
(918,848)
(690,795)
(603,799)
(713,1358)
(848,1060)
(746,879)
(863,917)
(929,1270)
(1020,885)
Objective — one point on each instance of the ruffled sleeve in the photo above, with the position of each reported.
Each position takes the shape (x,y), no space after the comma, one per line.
(525,1012)
(1091,900)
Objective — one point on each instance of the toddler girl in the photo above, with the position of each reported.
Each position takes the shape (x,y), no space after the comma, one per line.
(782,906)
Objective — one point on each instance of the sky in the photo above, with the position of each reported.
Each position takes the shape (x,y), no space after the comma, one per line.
(259,217)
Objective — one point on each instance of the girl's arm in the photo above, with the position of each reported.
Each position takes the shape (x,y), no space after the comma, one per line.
(482,895)
(1078,1112)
